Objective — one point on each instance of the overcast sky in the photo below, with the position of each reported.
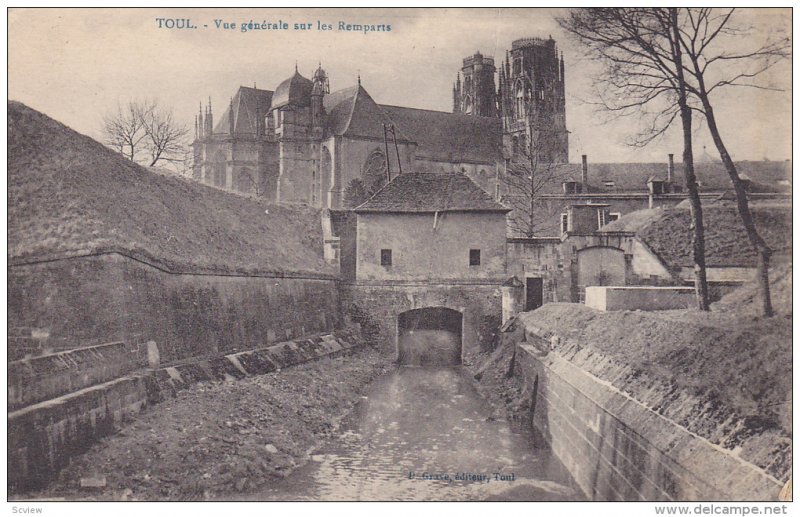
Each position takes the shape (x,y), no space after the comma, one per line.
(76,65)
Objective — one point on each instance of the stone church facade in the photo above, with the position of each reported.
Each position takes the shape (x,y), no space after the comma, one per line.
(304,143)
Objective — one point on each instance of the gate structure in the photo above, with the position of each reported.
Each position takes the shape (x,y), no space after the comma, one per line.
(430,336)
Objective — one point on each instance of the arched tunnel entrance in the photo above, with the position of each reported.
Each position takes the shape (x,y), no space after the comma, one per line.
(429,337)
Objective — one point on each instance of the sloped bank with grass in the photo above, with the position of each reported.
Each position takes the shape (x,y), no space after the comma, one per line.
(101,250)
(670,405)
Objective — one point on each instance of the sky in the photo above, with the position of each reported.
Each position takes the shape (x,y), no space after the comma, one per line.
(77,65)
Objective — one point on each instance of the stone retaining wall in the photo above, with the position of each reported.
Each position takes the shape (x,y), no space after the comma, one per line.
(44,377)
(90,300)
(618,449)
(639,298)
(42,437)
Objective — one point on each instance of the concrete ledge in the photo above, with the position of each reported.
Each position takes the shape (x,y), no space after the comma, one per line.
(41,378)
(643,298)
(166,382)
(44,436)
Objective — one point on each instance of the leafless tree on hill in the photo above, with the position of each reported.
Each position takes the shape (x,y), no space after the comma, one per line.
(660,62)
(124,129)
(146,133)
(165,136)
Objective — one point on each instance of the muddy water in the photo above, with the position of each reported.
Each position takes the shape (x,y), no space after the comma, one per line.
(425,434)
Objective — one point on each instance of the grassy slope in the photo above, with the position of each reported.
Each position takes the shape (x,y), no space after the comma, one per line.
(70,195)
(668,232)
(738,364)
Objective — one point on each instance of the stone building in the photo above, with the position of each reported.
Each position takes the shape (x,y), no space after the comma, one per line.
(304,143)
(530,98)
(426,253)
(645,247)
(628,187)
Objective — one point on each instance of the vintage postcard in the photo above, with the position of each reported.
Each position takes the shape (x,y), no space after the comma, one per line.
(453,254)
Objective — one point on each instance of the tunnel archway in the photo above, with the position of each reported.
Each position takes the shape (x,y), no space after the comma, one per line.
(431,336)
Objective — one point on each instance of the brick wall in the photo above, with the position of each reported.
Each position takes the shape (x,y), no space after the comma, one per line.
(100,299)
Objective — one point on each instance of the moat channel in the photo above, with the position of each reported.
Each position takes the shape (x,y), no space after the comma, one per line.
(425,434)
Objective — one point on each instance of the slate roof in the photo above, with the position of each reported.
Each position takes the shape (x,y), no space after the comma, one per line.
(440,136)
(632,177)
(244,112)
(450,137)
(415,192)
(295,90)
(353,112)
(666,232)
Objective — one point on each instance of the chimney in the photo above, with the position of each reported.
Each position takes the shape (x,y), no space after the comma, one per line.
(670,167)
(584,171)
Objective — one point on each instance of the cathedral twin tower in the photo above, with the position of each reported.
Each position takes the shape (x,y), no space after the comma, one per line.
(529,99)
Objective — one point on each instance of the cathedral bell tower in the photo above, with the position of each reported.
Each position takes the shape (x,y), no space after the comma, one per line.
(532,99)
(476,95)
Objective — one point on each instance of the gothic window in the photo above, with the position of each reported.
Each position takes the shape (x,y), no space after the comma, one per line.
(374,172)
(468,105)
(246,181)
(326,173)
(520,100)
(219,169)
(515,144)
(315,183)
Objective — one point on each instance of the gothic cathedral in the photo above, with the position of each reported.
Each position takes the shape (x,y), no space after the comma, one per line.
(305,143)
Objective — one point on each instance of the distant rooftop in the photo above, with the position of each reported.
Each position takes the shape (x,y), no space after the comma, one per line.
(425,193)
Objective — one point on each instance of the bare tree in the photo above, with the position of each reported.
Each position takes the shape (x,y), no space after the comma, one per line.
(165,136)
(531,172)
(700,31)
(656,64)
(146,133)
(124,130)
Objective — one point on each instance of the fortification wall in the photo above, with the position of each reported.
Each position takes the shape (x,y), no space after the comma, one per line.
(45,435)
(619,447)
(99,299)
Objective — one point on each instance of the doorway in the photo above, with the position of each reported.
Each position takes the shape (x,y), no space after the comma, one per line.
(534,293)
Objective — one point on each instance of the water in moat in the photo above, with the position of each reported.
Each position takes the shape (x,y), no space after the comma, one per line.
(425,434)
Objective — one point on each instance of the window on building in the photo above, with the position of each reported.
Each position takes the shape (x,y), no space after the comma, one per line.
(564,222)
(278,118)
(609,184)
(613,216)
(386,257)
(474,257)
(657,187)
(572,187)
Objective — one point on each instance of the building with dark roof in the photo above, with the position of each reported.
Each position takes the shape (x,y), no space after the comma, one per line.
(432,227)
(303,143)
(423,264)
